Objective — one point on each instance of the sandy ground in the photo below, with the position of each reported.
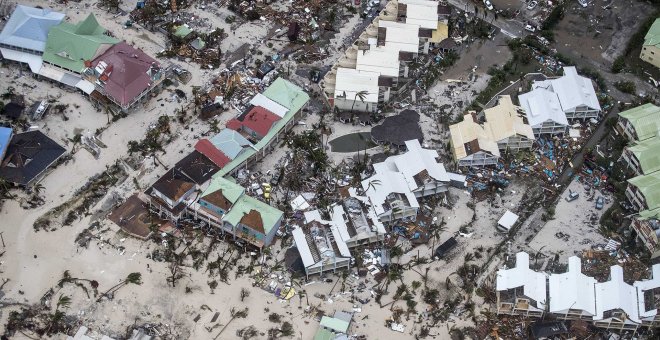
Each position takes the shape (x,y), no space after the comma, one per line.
(574,227)
(35,261)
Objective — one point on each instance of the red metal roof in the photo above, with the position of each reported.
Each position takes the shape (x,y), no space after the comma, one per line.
(127,72)
(259,120)
(206,148)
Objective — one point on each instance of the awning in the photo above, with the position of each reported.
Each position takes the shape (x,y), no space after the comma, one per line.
(67,78)
(34,61)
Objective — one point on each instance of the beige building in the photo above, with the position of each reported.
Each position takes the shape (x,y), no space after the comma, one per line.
(651,48)
(477,143)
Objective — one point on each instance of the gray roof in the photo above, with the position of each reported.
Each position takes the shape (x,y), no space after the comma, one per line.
(230,142)
(541,105)
(28,27)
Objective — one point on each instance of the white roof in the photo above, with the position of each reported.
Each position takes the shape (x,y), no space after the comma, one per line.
(28,27)
(533,283)
(383,60)
(33,60)
(396,175)
(508,220)
(541,105)
(572,290)
(299,203)
(303,247)
(350,81)
(337,225)
(573,90)
(401,36)
(268,104)
(422,12)
(645,285)
(615,294)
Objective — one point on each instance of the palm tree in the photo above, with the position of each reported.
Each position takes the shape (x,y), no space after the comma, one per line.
(435,234)
(362,95)
(62,303)
(134,278)
(372,184)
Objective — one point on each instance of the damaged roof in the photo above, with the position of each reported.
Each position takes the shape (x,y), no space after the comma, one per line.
(131,72)
(28,155)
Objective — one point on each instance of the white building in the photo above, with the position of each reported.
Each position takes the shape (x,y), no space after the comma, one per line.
(322,243)
(616,303)
(576,94)
(552,102)
(572,293)
(520,290)
(400,180)
(648,292)
(543,112)
(357,90)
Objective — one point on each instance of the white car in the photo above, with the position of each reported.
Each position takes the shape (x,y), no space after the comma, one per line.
(530,28)
(584,3)
(488,5)
(532,5)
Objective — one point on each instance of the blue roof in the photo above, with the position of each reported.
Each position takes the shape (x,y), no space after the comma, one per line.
(28,27)
(5,137)
(230,142)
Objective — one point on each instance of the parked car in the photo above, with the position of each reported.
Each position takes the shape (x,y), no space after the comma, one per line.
(584,3)
(600,202)
(530,28)
(572,196)
(488,5)
(532,5)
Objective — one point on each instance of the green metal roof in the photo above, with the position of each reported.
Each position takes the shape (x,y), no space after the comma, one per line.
(324,334)
(649,214)
(230,190)
(287,94)
(182,31)
(647,153)
(649,186)
(280,91)
(335,324)
(645,119)
(69,45)
(245,204)
(652,37)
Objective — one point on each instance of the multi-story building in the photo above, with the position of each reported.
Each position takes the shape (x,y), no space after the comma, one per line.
(639,123)
(520,290)
(616,303)
(399,181)
(568,300)
(552,102)
(651,49)
(477,143)
(225,206)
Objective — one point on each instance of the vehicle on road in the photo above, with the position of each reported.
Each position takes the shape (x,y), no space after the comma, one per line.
(600,202)
(488,5)
(530,28)
(532,5)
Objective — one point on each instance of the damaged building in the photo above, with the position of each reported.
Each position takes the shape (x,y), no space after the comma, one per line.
(477,142)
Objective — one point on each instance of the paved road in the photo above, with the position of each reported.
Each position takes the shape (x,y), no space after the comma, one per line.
(578,158)
(511,28)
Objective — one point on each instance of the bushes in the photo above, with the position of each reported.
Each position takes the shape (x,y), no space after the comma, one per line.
(619,64)
(553,19)
(626,87)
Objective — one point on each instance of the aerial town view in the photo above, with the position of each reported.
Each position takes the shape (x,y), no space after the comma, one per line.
(329,169)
